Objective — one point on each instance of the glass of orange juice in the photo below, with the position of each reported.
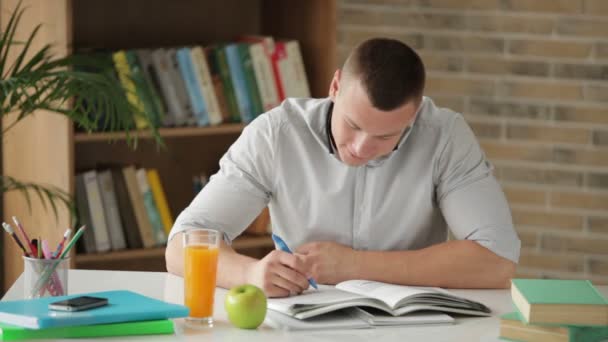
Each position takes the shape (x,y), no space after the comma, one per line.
(201,248)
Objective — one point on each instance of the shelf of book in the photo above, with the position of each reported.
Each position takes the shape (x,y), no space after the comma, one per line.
(45,148)
(229,128)
(112,260)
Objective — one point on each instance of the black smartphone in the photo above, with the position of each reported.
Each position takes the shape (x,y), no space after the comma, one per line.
(78,303)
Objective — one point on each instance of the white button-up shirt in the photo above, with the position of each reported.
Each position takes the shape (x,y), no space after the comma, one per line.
(436,179)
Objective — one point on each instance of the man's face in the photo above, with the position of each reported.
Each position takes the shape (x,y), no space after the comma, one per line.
(363,133)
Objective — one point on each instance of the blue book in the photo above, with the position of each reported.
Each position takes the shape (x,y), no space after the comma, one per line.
(195,93)
(123,306)
(238,80)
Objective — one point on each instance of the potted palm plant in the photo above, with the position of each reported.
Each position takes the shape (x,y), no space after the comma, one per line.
(83,88)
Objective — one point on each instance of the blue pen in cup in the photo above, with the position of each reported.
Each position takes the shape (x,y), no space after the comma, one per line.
(283,246)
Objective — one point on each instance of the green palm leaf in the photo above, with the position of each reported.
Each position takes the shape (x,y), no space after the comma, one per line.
(83,88)
(48,195)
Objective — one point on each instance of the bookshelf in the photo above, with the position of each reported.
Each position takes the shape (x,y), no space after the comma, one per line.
(45,149)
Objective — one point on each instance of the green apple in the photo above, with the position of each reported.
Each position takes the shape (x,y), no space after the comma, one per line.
(246,306)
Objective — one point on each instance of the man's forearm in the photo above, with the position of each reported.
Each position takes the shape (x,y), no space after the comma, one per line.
(231,268)
(453,264)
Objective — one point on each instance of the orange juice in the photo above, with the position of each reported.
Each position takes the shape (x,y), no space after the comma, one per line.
(200,266)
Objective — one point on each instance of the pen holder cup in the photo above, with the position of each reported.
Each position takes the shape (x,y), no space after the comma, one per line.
(45,277)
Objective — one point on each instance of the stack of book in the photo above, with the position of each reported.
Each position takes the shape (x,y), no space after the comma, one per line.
(127,313)
(551,310)
(123,207)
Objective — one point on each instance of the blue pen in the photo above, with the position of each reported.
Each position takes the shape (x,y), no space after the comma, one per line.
(283,246)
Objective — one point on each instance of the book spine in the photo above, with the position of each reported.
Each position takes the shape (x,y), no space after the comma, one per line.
(151,209)
(139,209)
(299,83)
(155,327)
(124,75)
(263,73)
(82,204)
(151,78)
(279,58)
(185,115)
(127,214)
(251,82)
(195,95)
(108,196)
(96,212)
(203,78)
(160,199)
(229,92)
(161,66)
(218,86)
(142,88)
(238,80)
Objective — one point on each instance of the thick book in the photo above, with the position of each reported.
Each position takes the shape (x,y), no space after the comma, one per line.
(395,300)
(186,117)
(158,232)
(144,225)
(154,327)
(84,218)
(96,212)
(143,88)
(572,302)
(123,306)
(193,89)
(151,77)
(253,89)
(219,57)
(218,85)
(127,213)
(237,73)
(160,199)
(111,211)
(298,82)
(261,48)
(514,329)
(124,72)
(203,78)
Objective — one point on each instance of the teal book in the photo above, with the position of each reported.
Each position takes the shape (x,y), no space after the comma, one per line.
(238,80)
(554,301)
(155,327)
(123,306)
(251,83)
(513,328)
(158,231)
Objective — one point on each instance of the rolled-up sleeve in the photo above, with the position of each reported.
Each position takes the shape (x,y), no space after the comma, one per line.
(242,187)
(471,200)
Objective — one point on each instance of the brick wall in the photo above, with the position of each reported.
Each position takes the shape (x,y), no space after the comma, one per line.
(531,78)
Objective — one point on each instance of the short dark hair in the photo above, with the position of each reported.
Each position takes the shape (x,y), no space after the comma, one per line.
(391,72)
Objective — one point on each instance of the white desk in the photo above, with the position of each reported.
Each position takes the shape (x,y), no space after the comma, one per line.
(170,288)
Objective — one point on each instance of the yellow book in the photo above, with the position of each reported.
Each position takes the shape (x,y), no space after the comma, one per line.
(124,74)
(161,200)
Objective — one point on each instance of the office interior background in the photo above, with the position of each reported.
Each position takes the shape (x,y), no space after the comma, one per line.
(529,76)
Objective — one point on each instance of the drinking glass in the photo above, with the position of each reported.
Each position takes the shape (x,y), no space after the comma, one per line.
(201,249)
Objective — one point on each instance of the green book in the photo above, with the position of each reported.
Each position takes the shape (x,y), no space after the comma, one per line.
(554,301)
(156,327)
(220,55)
(513,328)
(252,85)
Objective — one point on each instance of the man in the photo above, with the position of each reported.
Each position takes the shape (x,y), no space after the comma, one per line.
(362,185)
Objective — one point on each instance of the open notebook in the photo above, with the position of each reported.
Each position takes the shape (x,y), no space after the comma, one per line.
(395,300)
